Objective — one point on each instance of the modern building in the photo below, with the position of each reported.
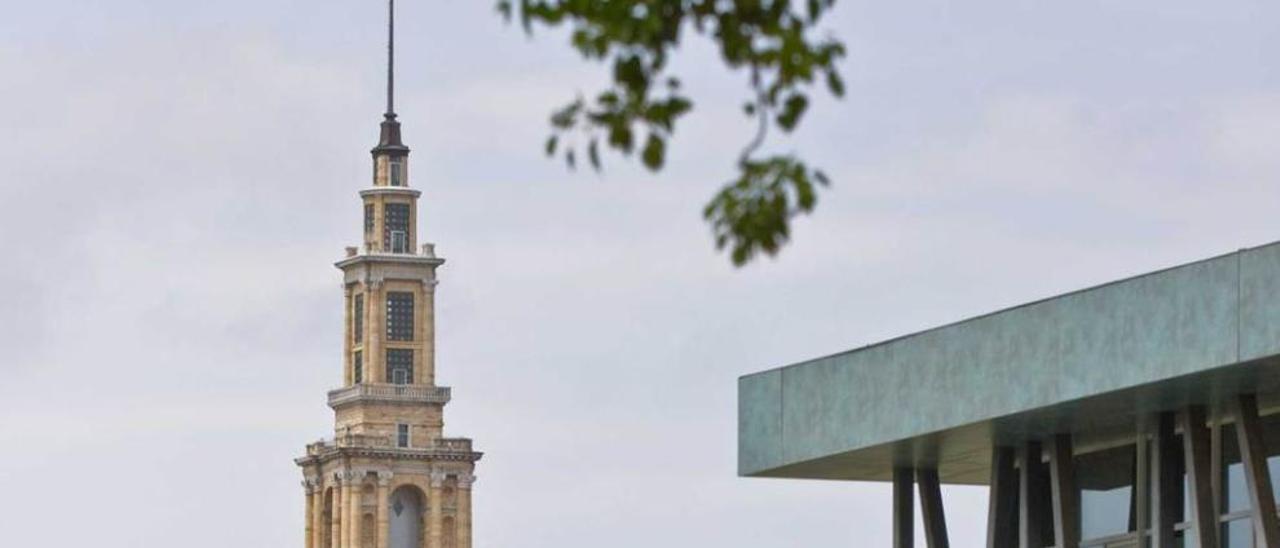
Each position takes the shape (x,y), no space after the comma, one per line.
(1144,412)
(389,478)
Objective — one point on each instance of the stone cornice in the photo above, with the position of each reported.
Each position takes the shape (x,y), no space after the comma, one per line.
(391,191)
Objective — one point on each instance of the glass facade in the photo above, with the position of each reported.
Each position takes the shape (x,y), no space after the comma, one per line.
(399,366)
(1108,481)
(395,221)
(357,319)
(399,316)
(1107,504)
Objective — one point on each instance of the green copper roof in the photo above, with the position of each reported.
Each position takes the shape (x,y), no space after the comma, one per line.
(1089,362)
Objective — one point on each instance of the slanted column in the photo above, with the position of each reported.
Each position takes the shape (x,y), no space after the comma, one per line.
(935,521)
(1256,473)
(384,484)
(435,516)
(1066,499)
(903,508)
(1166,498)
(1195,438)
(1031,503)
(1002,506)
(464,510)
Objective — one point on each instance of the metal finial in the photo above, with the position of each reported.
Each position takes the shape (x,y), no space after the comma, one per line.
(391,57)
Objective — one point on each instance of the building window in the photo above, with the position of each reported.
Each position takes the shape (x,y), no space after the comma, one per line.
(1106,480)
(357,319)
(402,435)
(399,366)
(397,172)
(399,316)
(357,367)
(395,221)
(368,218)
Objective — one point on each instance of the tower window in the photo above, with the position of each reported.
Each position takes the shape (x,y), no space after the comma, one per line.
(399,316)
(357,319)
(399,366)
(396,169)
(368,218)
(357,367)
(402,435)
(395,219)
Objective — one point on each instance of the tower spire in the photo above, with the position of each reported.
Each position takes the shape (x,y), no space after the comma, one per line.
(391,57)
(389,142)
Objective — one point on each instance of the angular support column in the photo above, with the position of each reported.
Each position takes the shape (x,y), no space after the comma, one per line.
(1032,510)
(1195,439)
(903,508)
(1066,496)
(1166,497)
(1254,456)
(935,520)
(1002,503)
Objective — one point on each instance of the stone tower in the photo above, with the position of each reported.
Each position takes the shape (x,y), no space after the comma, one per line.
(389,478)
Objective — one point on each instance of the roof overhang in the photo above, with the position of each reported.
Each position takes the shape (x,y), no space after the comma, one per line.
(1092,363)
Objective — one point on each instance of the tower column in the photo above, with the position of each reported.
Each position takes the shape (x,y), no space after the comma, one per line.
(357,509)
(435,516)
(376,355)
(464,510)
(317,516)
(384,484)
(348,370)
(346,509)
(335,517)
(309,523)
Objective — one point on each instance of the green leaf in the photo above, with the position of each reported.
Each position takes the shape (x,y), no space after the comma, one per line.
(593,154)
(552,141)
(792,110)
(655,150)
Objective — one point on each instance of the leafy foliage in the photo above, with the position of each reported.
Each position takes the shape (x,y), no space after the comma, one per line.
(771,40)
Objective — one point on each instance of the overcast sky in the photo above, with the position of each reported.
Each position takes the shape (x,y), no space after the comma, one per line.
(176,179)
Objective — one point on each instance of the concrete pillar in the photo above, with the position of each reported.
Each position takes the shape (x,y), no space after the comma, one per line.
(435,516)
(428,331)
(464,510)
(384,484)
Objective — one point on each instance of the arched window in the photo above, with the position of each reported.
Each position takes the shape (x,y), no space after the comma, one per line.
(405,522)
